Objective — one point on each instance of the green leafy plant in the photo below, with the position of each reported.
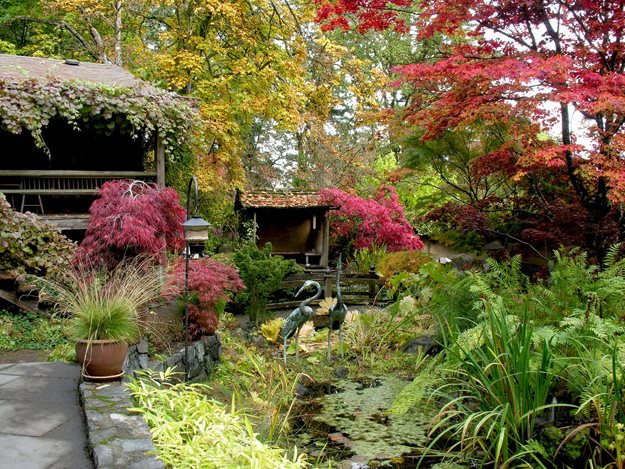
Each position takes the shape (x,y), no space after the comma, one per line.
(191,430)
(29,331)
(30,246)
(105,304)
(366,259)
(262,275)
(21,108)
(260,386)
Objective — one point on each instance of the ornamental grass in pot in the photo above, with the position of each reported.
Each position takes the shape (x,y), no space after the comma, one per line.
(104,309)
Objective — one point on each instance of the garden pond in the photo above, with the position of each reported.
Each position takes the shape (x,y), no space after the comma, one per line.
(348,421)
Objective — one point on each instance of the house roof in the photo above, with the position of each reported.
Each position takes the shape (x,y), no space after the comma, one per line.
(280,199)
(20,68)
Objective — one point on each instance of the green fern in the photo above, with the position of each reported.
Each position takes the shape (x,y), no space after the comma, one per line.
(419,389)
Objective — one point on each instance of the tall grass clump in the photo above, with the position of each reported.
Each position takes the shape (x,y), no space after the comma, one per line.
(499,385)
(259,385)
(105,304)
(192,431)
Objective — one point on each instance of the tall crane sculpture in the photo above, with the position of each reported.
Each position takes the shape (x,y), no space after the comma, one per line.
(298,317)
(337,312)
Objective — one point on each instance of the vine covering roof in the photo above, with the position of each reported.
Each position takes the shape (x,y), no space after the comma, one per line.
(33,91)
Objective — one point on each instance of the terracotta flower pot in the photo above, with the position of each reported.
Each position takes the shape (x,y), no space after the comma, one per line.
(101,360)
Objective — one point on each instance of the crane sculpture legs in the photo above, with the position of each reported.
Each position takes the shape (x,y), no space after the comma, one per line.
(296,346)
(340,341)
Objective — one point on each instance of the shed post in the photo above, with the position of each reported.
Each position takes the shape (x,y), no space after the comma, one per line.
(325,243)
(159,158)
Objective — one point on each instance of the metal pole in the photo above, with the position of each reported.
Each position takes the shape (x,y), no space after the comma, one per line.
(187,254)
(186,312)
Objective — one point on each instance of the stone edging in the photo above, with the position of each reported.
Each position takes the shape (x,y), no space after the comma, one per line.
(204,355)
(117,437)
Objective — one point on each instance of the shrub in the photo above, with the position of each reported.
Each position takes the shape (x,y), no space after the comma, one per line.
(129,219)
(402,261)
(262,274)
(211,286)
(360,223)
(30,246)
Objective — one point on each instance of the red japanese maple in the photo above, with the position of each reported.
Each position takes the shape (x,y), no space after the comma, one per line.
(132,218)
(363,223)
(554,66)
(211,285)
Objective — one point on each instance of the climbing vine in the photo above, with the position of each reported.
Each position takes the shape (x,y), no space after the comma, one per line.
(31,104)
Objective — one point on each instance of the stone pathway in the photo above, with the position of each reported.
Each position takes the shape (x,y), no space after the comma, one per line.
(41,421)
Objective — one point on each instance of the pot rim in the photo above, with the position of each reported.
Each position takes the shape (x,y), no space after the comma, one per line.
(99,341)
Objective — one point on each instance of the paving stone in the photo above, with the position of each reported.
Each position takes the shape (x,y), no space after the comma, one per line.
(45,369)
(41,422)
(6,378)
(30,452)
(32,418)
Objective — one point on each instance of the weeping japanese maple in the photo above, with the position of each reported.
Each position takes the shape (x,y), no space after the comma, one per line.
(130,219)
(211,285)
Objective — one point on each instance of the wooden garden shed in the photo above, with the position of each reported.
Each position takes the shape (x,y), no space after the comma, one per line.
(54,160)
(294,222)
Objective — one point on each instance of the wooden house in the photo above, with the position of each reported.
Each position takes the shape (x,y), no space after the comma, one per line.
(294,222)
(59,180)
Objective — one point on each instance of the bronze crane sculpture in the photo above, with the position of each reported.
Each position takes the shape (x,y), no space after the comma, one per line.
(299,316)
(337,312)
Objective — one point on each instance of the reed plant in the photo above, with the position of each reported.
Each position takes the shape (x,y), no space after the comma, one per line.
(497,390)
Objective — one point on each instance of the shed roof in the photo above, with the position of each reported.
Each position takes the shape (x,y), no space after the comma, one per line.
(280,199)
(20,68)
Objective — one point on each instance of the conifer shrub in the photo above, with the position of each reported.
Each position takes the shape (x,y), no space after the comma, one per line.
(262,275)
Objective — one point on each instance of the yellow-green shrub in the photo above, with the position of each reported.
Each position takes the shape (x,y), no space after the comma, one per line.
(190,430)
(402,261)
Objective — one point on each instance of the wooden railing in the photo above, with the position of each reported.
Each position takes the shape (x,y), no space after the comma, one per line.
(40,183)
(356,288)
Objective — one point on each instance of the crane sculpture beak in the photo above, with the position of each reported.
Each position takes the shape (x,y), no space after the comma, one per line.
(304,287)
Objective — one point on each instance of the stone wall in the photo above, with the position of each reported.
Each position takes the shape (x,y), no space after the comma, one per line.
(116,436)
(203,357)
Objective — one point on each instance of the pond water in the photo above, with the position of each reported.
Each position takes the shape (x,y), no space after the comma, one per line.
(349,423)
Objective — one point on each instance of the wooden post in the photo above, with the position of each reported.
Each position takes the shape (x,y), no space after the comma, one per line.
(159,158)
(372,284)
(325,243)
(327,284)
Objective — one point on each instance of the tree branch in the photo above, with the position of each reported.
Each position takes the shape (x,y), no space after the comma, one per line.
(59,23)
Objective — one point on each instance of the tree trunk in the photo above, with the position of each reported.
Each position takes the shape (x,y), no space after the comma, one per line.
(118,32)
